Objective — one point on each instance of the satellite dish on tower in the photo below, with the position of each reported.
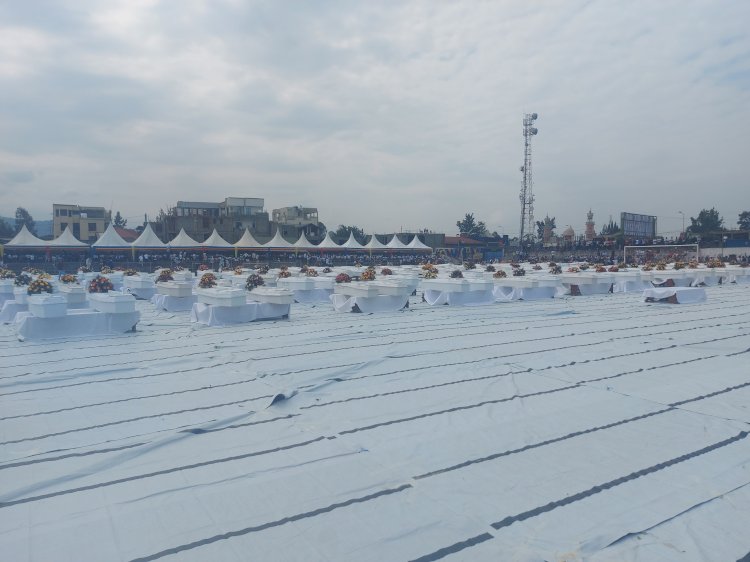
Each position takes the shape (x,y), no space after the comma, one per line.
(534,130)
(534,116)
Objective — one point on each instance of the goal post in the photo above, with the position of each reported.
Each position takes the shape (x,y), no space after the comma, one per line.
(658,252)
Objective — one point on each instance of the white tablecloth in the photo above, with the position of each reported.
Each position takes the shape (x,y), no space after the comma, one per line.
(310,296)
(383,303)
(76,323)
(223,315)
(468,298)
(9,311)
(144,294)
(173,304)
(685,295)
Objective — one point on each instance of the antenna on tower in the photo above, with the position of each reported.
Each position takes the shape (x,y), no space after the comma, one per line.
(527,194)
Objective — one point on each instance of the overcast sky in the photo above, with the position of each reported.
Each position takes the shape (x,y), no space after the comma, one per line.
(386,115)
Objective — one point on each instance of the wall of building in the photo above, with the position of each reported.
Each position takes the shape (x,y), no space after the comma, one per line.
(86,223)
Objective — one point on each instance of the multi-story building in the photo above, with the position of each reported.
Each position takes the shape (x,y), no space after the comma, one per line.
(293,221)
(86,223)
(229,217)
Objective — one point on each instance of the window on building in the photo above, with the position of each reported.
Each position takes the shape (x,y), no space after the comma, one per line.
(77,230)
(92,227)
(63,226)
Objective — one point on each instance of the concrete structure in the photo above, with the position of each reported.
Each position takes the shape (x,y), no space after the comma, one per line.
(86,223)
(590,230)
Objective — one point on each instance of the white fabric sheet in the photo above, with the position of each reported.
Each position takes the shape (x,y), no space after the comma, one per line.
(685,295)
(312,296)
(468,298)
(224,315)
(143,294)
(10,309)
(76,323)
(173,304)
(383,303)
(630,286)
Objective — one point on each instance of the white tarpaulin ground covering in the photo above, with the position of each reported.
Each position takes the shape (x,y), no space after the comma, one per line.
(599,428)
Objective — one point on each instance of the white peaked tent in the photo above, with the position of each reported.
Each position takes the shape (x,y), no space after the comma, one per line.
(328,243)
(24,239)
(67,240)
(277,241)
(216,241)
(374,243)
(110,239)
(395,243)
(352,243)
(247,242)
(148,239)
(417,244)
(303,242)
(183,240)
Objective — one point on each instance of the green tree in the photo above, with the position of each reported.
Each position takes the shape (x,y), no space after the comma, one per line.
(342,234)
(24,218)
(744,222)
(6,231)
(119,221)
(707,224)
(547,222)
(471,227)
(610,228)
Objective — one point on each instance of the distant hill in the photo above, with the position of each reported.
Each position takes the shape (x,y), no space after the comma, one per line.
(43,228)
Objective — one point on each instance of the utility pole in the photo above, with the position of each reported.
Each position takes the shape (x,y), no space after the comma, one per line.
(527,195)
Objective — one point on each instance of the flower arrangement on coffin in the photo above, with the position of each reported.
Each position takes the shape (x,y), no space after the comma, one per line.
(555,269)
(715,263)
(203,267)
(427,267)
(327,270)
(106,270)
(68,278)
(600,269)
(648,268)
(84,269)
(519,272)
(164,276)
(7,274)
(499,274)
(129,272)
(678,265)
(622,265)
(207,281)
(584,266)
(100,284)
(303,269)
(227,268)
(283,274)
(490,269)
(254,281)
(536,267)
(263,269)
(368,275)
(515,265)
(39,286)
(431,274)
(238,271)
(33,270)
(573,269)
(692,264)
(284,268)
(469,265)
(22,280)
(343,278)
(661,266)
(456,274)
(386,271)
(551,264)
(614,269)
(311,272)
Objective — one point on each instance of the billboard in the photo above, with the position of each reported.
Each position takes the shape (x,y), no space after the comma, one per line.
(638,226)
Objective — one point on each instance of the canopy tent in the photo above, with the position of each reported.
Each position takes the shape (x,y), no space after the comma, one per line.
(277,242)
(247,242)
(110,240)
(352,243)
(417,244)
(303,242)
(395,243)
(328,243)
(24,239)
(216,241)
(148,240)
(374,243)
(67,240)
(183,241)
